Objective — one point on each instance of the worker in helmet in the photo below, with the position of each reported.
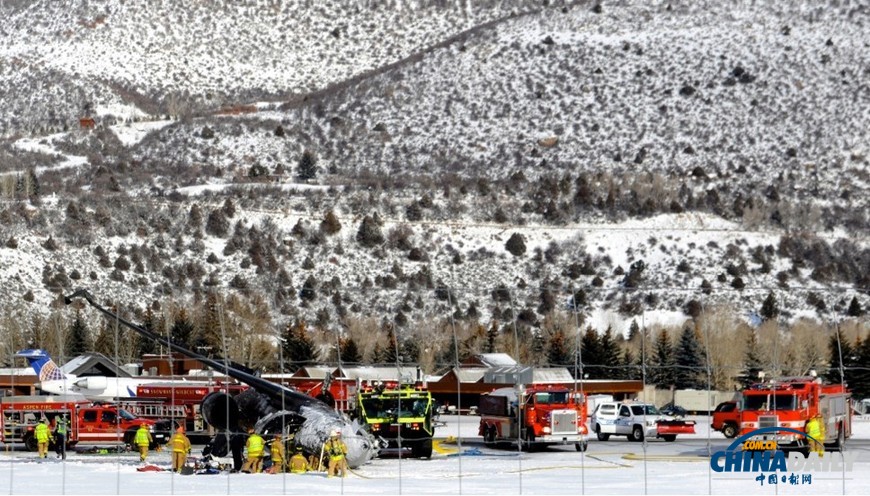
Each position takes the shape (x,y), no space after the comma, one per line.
(298,463)
(336,450)
(42,435)
(60,430)
(277,451)
(255,447)
(815,430)
(143,441)
(180,448)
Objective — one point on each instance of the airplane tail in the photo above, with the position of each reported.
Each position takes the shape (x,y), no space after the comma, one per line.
(42,364)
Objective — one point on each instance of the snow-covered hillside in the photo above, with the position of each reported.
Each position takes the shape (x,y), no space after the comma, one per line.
(480,162)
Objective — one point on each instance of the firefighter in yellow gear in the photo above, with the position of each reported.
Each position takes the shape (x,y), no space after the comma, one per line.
(255,447)
(42,435)
(180,448)
(298,462)
(815,429)
(143,441)
(277,452)
(336,450)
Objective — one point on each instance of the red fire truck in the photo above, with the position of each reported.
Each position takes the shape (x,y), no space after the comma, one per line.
(533,417)
(790,402)
(178,402)
(89,423)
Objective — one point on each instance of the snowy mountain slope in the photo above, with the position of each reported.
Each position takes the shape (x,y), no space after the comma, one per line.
(713,99)
(181,57)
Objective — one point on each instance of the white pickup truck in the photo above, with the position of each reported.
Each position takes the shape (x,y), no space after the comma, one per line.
(638,421)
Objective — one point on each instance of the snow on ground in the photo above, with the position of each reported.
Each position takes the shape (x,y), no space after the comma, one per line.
(613,467)
(131,133)
(45,145)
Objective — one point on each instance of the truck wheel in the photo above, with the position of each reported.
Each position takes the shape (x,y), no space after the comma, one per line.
(841,439)
(669,437)
(422,449)
(581,446)
(600,435)
(730,431)
(30,443)
(130,438)
(636,434)
(489,434)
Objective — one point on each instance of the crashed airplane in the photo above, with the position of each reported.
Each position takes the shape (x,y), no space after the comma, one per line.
(269,407)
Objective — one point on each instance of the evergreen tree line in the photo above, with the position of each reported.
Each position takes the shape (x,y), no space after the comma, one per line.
(667,358)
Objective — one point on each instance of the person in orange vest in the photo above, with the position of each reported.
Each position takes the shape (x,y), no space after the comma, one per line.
(42,435)
(255,447)
(298,462)
(277,451)
(180,448)
(336,450)
(143,440)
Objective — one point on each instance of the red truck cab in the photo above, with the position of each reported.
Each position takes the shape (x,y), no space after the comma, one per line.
(726,419)
(533,417)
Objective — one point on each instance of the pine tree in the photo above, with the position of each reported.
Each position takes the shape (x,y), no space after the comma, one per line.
(410,351)
(307,167)
(516,245)
(590,353)
(194,219)
(689,362)
(548,301)
(182,329)
(662,372)
(860,381)
(146,346)
(491,338)
(378,354)
(838,346)
(229,208)
(350,353)
(770,308)
(630,369)
(855,309)
(298,346)
(105,341)
(330,223)
(633,330)
(210,333)
(391,353)
(558,351)
(752,364)
(369,234)
(609,355)
(33,184)
(79,340)
(538,349)
(309,289)
(217,224)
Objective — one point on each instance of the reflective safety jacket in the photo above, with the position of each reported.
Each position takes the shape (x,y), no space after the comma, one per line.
(41,433)
(298,464)
(143,437)
(816,429)
(180,443)
(277,450)
(255,445)
(336,448)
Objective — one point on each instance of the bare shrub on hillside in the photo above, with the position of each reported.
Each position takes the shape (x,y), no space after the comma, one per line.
(722,342)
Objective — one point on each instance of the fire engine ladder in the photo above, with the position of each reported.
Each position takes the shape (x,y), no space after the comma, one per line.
(157,410)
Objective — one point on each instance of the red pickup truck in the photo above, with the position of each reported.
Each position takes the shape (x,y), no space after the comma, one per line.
(726,419)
